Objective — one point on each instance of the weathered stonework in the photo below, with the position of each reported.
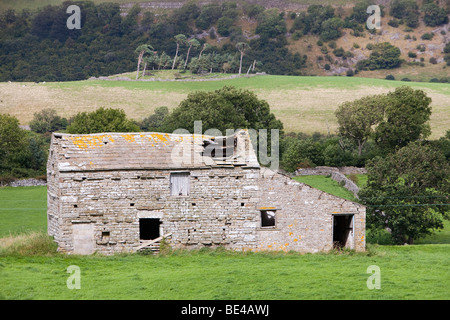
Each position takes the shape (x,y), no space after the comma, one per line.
(101,188)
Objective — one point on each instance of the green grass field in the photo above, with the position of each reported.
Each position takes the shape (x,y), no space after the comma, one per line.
(326,184)
(407,272)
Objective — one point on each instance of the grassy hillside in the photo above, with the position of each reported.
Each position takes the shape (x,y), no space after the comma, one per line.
(304,104)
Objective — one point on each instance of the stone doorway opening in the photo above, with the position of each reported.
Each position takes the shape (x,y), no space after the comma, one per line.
(149,228)
(343,231)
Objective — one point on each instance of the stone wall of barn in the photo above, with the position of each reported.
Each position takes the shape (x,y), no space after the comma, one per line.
(105,208)
(304,216)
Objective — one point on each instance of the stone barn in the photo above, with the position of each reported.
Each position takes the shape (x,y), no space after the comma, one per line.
(124,192)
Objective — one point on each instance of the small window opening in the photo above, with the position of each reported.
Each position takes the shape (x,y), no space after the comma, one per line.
(242,204)
(131,204)
(193,204)
(75,206)
(149,228)
(267,218)
(105,235)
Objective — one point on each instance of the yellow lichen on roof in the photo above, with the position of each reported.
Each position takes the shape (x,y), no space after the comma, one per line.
(89,142)
(128,137)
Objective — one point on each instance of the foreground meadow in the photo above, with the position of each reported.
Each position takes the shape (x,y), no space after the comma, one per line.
(31,269)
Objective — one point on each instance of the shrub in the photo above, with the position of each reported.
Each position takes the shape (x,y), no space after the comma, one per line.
(384,56)
(369,46)
(427,36)
(434,80)
(412,54)
(390,77)
(406,79)
(350,73)
(393,23)
(327,67)
(434,15)
(332,44)
(339,52)
(421,48)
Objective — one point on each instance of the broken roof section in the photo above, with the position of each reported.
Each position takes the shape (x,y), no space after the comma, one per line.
(151,150)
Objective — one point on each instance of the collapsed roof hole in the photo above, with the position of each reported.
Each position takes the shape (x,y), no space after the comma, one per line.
(219,148)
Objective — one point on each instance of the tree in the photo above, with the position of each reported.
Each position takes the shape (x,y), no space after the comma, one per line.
(180,39)
(270,24)
(434,15)
(101,120)
(242,47)
(226,108)
(405,119)
(331,29)
(357,119)
(383,56)
(406,190)
(47,120)
(154,122)
(141,50)
(192,43)
(12,142)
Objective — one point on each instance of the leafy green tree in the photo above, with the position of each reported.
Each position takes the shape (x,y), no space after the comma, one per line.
(101,120)
(299,151)
(407,10)
(155,122)
(407,192)
(406,117)
(359,11)
(383,56)
(47,120)
(331,29)
(226,108)
(270,24)
(223,26)
(12,142)
(434,15)
(357,119)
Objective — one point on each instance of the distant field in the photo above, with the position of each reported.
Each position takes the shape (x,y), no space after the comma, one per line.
(305,104)
(407,272)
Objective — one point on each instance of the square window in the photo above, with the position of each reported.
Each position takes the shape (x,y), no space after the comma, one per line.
(267,218)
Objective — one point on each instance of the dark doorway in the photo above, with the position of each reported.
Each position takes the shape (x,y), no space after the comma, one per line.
(343,231)
(149,228)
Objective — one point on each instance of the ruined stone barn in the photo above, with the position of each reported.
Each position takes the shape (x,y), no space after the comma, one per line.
(124,192)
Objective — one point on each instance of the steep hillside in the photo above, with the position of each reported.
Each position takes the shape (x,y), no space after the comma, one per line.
(285,37)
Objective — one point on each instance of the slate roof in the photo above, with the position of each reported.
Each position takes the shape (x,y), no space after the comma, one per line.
(149,150)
